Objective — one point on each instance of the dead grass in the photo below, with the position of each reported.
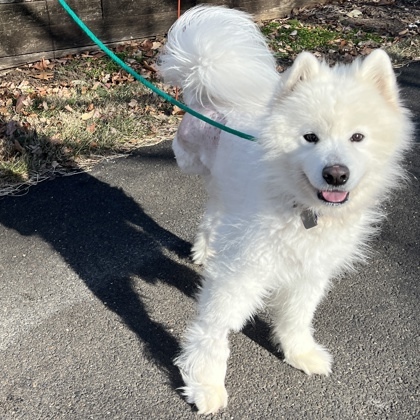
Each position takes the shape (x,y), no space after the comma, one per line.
(63,115)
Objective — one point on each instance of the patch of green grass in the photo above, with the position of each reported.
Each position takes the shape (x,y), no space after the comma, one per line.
(93,68)
(13,171)
(293,36)
(296,37)
(300,38)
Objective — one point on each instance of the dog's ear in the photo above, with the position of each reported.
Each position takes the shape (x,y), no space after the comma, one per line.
(305,67)
(376,68)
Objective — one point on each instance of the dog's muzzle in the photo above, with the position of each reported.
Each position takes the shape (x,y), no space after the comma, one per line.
(335,176)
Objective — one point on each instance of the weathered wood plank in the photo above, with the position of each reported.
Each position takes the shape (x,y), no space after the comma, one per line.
(17,44)
(23,16)
(129,8)
(18,1)
(15,61)
(24,28)
(113,30)
(30,30)
(87,10)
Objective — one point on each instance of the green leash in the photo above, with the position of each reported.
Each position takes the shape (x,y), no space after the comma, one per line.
(145,82)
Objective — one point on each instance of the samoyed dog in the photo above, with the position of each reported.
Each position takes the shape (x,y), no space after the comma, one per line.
(290,210)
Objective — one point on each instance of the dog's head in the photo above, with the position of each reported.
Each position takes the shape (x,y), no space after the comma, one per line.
(335,136)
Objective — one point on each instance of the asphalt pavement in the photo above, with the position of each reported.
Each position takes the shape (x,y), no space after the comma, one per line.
(96,288)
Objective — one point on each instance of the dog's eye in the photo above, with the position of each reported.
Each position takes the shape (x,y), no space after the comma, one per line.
(357,137)
(311,138)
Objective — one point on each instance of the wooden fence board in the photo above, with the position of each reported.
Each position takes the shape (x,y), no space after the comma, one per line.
(144,7)
(87,10)
(23,15)
(30,30)
(23,30)
(17,44)
(112,30)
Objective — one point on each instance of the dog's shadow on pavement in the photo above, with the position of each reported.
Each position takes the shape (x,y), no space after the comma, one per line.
(107,239)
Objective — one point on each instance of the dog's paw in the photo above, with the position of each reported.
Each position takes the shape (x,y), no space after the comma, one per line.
(315,361)
(207,398)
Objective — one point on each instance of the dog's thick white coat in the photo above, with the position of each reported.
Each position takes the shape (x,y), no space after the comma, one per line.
(252,241)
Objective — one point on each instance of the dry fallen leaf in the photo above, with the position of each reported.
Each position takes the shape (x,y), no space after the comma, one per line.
(147,67)
(177,110)
(91,128)
(366,51)
(43,65)
(11,127)
(146,45)
(22,84)
(18,147)
(44,75)
(42,91)
(354,13)
(99,54)
(20,103)
(88,115)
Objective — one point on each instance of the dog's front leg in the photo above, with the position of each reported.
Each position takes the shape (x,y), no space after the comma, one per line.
(224,304)
(293,308)
(202,363)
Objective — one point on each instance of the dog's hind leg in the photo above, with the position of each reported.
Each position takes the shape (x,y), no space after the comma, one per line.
(292,309)
(202,249)
(224,304)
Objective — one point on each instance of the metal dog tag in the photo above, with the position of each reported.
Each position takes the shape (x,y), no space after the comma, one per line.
(309,219)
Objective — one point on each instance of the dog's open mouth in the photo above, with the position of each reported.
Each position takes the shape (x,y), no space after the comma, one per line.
(333,197)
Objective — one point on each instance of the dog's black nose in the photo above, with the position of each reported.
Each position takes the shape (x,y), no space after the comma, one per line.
(336,174)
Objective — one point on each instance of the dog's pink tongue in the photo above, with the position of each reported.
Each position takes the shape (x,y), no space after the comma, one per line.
(334,196)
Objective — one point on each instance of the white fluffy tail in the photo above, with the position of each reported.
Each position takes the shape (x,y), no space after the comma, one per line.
(220,59)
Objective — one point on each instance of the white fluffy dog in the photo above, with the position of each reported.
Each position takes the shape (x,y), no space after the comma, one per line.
(289,211)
